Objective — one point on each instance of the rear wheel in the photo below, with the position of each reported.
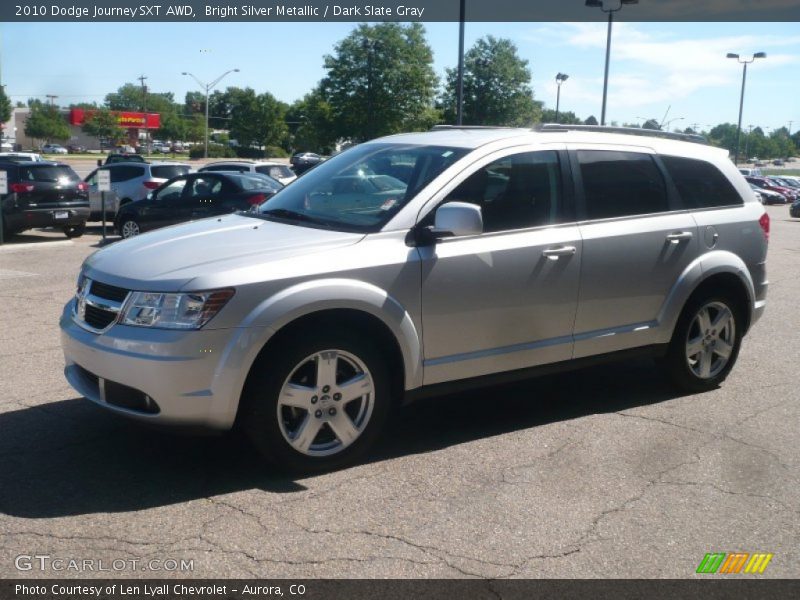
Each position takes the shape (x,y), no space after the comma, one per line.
(319,403)
(129,227)
(705,344)
(74,231)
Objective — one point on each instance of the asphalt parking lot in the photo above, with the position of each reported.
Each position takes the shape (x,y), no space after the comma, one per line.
(601,473)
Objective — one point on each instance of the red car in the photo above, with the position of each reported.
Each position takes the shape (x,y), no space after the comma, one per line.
(766,184)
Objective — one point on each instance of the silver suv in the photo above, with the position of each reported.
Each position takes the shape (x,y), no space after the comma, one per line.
(130,181)
(473,256)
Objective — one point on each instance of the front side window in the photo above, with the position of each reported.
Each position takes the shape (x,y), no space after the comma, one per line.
(357,190)
(205,187)
(700,184)
(172,192)
(514,192)
(621,184)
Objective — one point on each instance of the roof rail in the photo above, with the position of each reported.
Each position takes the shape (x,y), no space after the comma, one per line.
(457,127)
(683,137)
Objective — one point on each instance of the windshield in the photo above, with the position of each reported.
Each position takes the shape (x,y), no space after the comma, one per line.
(49,174)
(362,188)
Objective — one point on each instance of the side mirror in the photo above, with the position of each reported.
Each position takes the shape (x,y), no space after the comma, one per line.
(457,219)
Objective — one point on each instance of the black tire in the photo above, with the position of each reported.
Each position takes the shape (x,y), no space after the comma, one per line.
(74,231)
(681,369)
(128,227)
(259,409)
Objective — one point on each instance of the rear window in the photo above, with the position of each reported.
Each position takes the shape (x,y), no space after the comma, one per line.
(48,174)
(169,171)
(275,171)
(256,181)
(232,168)
(700,184)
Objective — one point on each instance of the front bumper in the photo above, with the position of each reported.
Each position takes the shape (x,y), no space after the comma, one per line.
(185,378)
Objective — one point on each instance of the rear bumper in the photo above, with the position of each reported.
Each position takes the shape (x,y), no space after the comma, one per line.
(46,217)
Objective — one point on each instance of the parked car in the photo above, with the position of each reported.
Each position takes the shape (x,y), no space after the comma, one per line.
(43,194)
(305,327)
(794,209)
(76,149)
(194,196)
(766,184)
(161,148)
(116,157)
(787,182)
(20,156)
(277,171)
(6,145)
(750,172)
(766,196)
(303,161)
(130,181)
(53,149)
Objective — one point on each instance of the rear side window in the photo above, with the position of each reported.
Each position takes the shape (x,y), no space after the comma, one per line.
(700,184)
(168,171)
(621,184)
(48,174)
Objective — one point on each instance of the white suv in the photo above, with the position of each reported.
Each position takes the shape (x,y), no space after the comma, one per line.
(420,263)
(276,170)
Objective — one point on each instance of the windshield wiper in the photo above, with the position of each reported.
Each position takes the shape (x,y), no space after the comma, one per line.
(285,213)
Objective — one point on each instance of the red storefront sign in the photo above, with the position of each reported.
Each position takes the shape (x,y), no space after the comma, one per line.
(129,120)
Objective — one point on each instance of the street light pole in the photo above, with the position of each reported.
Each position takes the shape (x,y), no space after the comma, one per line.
(208,87)
(601,5)
(460,85)
(560,78)
(741,97)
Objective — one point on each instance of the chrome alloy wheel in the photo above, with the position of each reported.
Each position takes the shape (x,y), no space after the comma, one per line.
(710,340)
(130,229)
(326,403)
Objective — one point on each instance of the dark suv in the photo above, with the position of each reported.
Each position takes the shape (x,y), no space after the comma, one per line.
(44,194)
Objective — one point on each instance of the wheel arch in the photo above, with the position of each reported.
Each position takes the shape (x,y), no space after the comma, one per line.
(715,271)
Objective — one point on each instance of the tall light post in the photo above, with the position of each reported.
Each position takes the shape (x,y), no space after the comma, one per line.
(610,11)
(741,98)
(560,78)
(208,87)
(460,83)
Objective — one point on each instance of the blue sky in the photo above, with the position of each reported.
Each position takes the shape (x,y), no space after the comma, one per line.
(654,67)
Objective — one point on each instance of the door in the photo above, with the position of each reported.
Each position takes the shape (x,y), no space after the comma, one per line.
(167,206)
(636,243)
(504,299)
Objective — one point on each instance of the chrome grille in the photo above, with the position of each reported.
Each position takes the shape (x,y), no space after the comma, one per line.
(97,305)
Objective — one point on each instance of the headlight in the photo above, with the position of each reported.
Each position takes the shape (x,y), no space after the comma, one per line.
(191,310)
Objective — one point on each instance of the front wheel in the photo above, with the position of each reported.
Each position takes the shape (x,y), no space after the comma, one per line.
(319,403)
(129,228)
(74,231)
(705,344)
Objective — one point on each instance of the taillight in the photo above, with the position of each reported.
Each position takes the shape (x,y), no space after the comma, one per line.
(256,199)
(764,223)
(151,185)
(83,186)
(21,188)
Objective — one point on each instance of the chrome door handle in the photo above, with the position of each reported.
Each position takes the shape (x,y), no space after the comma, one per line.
(555,253)
(679,236)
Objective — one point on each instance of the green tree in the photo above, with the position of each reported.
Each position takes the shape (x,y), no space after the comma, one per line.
(5,108)
(380,81)
(565,118)
(103,124)
(258,119)
(591,120)
(497,87)
(310,124)
(132,98)
(46,122)
(195,128)
(724,136)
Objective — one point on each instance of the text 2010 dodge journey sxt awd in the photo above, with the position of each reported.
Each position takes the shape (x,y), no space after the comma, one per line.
(418,263)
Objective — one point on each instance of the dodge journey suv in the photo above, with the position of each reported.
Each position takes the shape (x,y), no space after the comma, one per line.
(495,254)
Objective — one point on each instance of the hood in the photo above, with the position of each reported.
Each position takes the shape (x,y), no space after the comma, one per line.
(170,258)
